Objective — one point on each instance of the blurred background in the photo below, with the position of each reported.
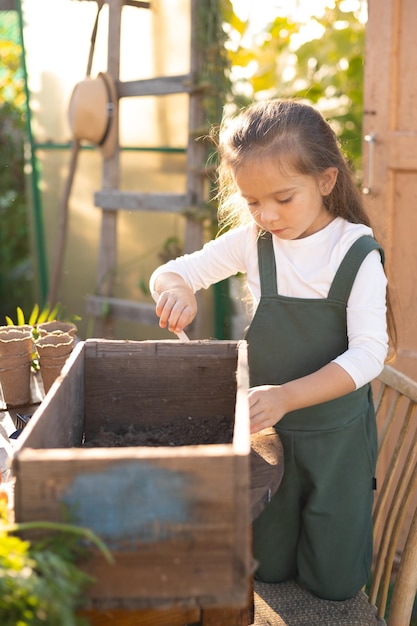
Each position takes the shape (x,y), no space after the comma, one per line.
(309,49)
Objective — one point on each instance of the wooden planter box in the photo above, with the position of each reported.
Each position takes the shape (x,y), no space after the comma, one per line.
(176,518)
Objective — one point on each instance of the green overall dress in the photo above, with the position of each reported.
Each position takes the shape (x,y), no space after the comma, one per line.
(317,529)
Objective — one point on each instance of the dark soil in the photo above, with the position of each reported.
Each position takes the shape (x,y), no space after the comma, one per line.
(188,431)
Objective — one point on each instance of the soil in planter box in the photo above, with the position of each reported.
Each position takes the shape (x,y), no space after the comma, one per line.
(187,431)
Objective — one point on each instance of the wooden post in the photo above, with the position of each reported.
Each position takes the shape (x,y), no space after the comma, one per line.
(196,154)
(107,259)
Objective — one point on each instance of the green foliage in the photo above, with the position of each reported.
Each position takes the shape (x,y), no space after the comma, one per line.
(37,588)
(214,63)
(38,316)
(333,71)
(15,265)
(40,583)
(325,68)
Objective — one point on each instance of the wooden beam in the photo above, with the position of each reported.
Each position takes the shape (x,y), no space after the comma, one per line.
(8,5)
(401,150)
(106,306)
(114,199)
(131,3)
(167,617)
(107,254)
(137,3)
(159,86)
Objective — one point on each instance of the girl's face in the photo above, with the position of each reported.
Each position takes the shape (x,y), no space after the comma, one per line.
(288,205)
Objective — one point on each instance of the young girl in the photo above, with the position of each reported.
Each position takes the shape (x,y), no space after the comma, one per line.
(317,339)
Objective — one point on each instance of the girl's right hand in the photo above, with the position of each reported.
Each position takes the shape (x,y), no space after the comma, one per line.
(176,306)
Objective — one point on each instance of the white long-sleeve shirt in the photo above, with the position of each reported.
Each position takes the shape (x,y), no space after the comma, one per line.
(305,269)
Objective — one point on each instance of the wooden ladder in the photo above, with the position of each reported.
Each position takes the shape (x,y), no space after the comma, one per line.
(111,199)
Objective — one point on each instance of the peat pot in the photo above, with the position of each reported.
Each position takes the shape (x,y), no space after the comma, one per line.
(102,451)
(16,347)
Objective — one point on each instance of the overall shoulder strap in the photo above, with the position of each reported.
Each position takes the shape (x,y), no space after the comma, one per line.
(267,267)
(346,274)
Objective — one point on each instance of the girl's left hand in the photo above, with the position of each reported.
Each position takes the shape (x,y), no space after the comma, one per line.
(267,405)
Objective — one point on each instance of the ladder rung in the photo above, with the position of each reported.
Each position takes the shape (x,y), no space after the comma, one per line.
(114,199)
(11,5)
(137,3)
(132,3)
(138,312)
(154,86)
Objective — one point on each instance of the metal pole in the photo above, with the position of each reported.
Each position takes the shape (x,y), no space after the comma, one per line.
(30,156)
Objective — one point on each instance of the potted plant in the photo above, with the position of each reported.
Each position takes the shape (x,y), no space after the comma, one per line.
(19,356)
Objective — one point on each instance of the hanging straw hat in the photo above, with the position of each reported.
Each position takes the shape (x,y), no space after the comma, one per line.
(92,112)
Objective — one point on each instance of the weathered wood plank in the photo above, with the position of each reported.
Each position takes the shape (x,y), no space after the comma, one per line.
(405,385)
(134,3)
(227,616)
(107,253)
(169,521)
(113,199)
(137,3)
(204,348)
(242,417)
(401,153)
(153,382)
(128,310)
(159,86)
(8,5)
(49,428)
(266,468)
(119,617)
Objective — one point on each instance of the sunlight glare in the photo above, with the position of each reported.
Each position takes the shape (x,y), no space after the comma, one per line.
(264,11)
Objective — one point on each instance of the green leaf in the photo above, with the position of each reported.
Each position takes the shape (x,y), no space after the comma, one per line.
(34,315)
(40,583)
(328,68)
(20,317)
(105,309)
(43,316)
(55,313)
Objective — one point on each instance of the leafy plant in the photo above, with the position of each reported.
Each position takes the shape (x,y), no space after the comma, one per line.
(318,59)
(16,272)
(38,316)
(40,583)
